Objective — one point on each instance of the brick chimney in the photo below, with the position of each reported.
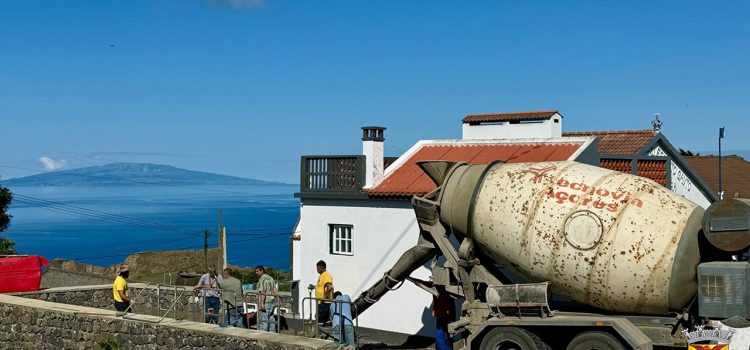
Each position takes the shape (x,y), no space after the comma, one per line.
(372,148)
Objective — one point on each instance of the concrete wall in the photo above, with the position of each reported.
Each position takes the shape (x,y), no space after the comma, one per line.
(382,231)
(545,129)
(35,324)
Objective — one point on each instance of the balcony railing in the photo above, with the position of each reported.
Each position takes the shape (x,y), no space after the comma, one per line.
(332,174)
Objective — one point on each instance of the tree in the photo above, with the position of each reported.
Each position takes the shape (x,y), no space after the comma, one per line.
(7,246)
(5,198)
(688,153)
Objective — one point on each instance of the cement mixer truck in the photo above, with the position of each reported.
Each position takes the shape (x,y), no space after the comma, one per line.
(564,255)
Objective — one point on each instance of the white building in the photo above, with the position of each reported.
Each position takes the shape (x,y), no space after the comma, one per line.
(355,211)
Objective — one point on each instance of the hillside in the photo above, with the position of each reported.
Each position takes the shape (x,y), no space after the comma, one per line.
(157,267)
(130,174)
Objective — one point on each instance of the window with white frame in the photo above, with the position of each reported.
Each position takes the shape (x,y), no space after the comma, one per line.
(340,239)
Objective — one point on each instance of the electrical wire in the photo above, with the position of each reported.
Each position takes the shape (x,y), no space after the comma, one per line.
(72,212)
(254,234)
(115,218)
(280,230)
(105,215)
(72,209)
(258,237)
(92,257)
(270,235)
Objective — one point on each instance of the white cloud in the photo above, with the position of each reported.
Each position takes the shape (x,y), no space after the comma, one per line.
(51,164)
(238,4)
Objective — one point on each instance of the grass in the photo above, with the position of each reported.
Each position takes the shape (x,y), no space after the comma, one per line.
(154,267)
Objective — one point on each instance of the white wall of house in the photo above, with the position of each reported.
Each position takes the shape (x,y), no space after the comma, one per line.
(550,128)
(382,231)
(681,183)
(297,262)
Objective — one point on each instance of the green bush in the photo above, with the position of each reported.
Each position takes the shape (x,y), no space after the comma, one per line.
(7,246)
(109,344)
(247,275)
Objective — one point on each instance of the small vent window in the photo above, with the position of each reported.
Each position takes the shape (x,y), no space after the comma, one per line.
(712,286)
(340,239)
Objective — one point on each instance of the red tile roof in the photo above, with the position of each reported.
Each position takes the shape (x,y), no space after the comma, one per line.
(627,142)
(621,165)
(653,169)
(408,179)
(735,173)
(507,117)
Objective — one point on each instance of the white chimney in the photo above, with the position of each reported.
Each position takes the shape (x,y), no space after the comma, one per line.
(515,125)
(372,148)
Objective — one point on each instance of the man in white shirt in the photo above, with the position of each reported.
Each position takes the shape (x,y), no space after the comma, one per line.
(210,284)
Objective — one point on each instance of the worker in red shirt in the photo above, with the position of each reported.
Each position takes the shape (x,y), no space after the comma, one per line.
(444,311)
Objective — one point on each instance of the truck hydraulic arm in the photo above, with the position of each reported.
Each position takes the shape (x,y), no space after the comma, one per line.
(411,260)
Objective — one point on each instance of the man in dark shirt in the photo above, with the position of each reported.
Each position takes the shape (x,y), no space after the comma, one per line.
(444,311)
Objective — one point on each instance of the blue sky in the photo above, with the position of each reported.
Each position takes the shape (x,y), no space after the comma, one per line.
(244,87)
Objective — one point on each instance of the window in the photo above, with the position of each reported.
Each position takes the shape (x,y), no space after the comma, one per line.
(712,286)
(340,239)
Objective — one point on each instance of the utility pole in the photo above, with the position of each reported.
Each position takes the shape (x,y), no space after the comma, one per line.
(222,243)
(721,189)
(224,246)
(205,247)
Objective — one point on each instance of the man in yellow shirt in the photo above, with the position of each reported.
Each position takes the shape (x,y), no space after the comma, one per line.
(120,289)
(324,290)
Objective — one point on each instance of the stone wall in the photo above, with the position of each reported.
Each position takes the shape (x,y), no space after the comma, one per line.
(152,300)
(149,299)
(56,277)
(36,324)
(65,273)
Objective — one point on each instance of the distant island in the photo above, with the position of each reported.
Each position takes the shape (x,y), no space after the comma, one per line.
(131,174)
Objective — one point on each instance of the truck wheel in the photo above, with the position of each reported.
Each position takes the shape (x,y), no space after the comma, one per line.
(595,341)
(511,338)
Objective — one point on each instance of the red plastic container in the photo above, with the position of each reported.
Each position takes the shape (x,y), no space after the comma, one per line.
(21,273)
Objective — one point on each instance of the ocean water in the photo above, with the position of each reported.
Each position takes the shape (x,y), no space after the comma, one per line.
(103,225)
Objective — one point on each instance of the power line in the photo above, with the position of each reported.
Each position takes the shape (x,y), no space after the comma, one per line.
(195,247)
(140,247)
(254,234)
(75,210)
(270,235)
(150,251)
(129,250)
(90,215)
(72,209)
